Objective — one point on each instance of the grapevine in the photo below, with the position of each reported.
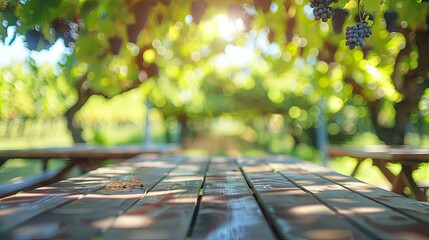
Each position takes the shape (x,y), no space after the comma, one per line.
(322,9)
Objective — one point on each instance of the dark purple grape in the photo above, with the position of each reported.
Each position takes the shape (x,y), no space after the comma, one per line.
(391,18)
(355,35)
(321,9)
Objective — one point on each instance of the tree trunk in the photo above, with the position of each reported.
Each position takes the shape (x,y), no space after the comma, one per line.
(82,97)
(184,128)
(74,127)
(168,137)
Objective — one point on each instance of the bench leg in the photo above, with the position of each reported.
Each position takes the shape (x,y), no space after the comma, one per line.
(359,161)
(45,162)
(398,185)
(3,161)
(396,181)
(407,177)
(64,171)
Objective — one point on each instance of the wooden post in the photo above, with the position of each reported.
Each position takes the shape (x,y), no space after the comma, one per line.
(147,136)
(321,133)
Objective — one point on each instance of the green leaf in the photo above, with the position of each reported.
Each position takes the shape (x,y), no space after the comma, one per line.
(367,20)
(343,3)
(372,5)
(36,12)
(3,30)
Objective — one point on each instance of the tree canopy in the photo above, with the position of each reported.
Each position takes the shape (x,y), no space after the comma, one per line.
(199,58)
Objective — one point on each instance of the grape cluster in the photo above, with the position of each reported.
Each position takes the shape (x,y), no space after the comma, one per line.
(355,35)
(322,9)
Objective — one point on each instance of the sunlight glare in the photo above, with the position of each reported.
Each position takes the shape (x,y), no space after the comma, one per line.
(226,28)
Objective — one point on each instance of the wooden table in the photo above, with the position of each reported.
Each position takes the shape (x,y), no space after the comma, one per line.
(84,156)
(202,197)
(409,158)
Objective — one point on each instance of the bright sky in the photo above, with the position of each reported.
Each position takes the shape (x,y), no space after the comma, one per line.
(234,55)
(18,52)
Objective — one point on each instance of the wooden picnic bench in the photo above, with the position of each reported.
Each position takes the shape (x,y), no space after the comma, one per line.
(408,157)
(84,156)
(210,197)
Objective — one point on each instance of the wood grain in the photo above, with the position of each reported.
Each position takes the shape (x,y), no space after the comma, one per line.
(95,211)
(24,206)
(410,207)
(295,213)
(167,210)
(377,219)
(227,209)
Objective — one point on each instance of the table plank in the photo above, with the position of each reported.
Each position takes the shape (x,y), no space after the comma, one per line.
(26,205)
(95,211)
(167,210)
(375,218)
(89,152)
(227,209)
(295,213)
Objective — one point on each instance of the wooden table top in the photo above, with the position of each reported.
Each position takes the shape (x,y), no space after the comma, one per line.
(93,152)
(392,154)
(209,197)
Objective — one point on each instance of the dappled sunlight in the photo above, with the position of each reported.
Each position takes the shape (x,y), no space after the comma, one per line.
(126,195)
(8,211)
(128,221)
(340,177)
(214,199)
(343,200)
(117,170)
(103,224)
(328,234)
(37,231)
(321,189)
(279,166)
(305,210)
(185,199)
(307,182)
(17,180)
(366,210)
(91,183)
(273,185)
(161,193)
(21,197)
